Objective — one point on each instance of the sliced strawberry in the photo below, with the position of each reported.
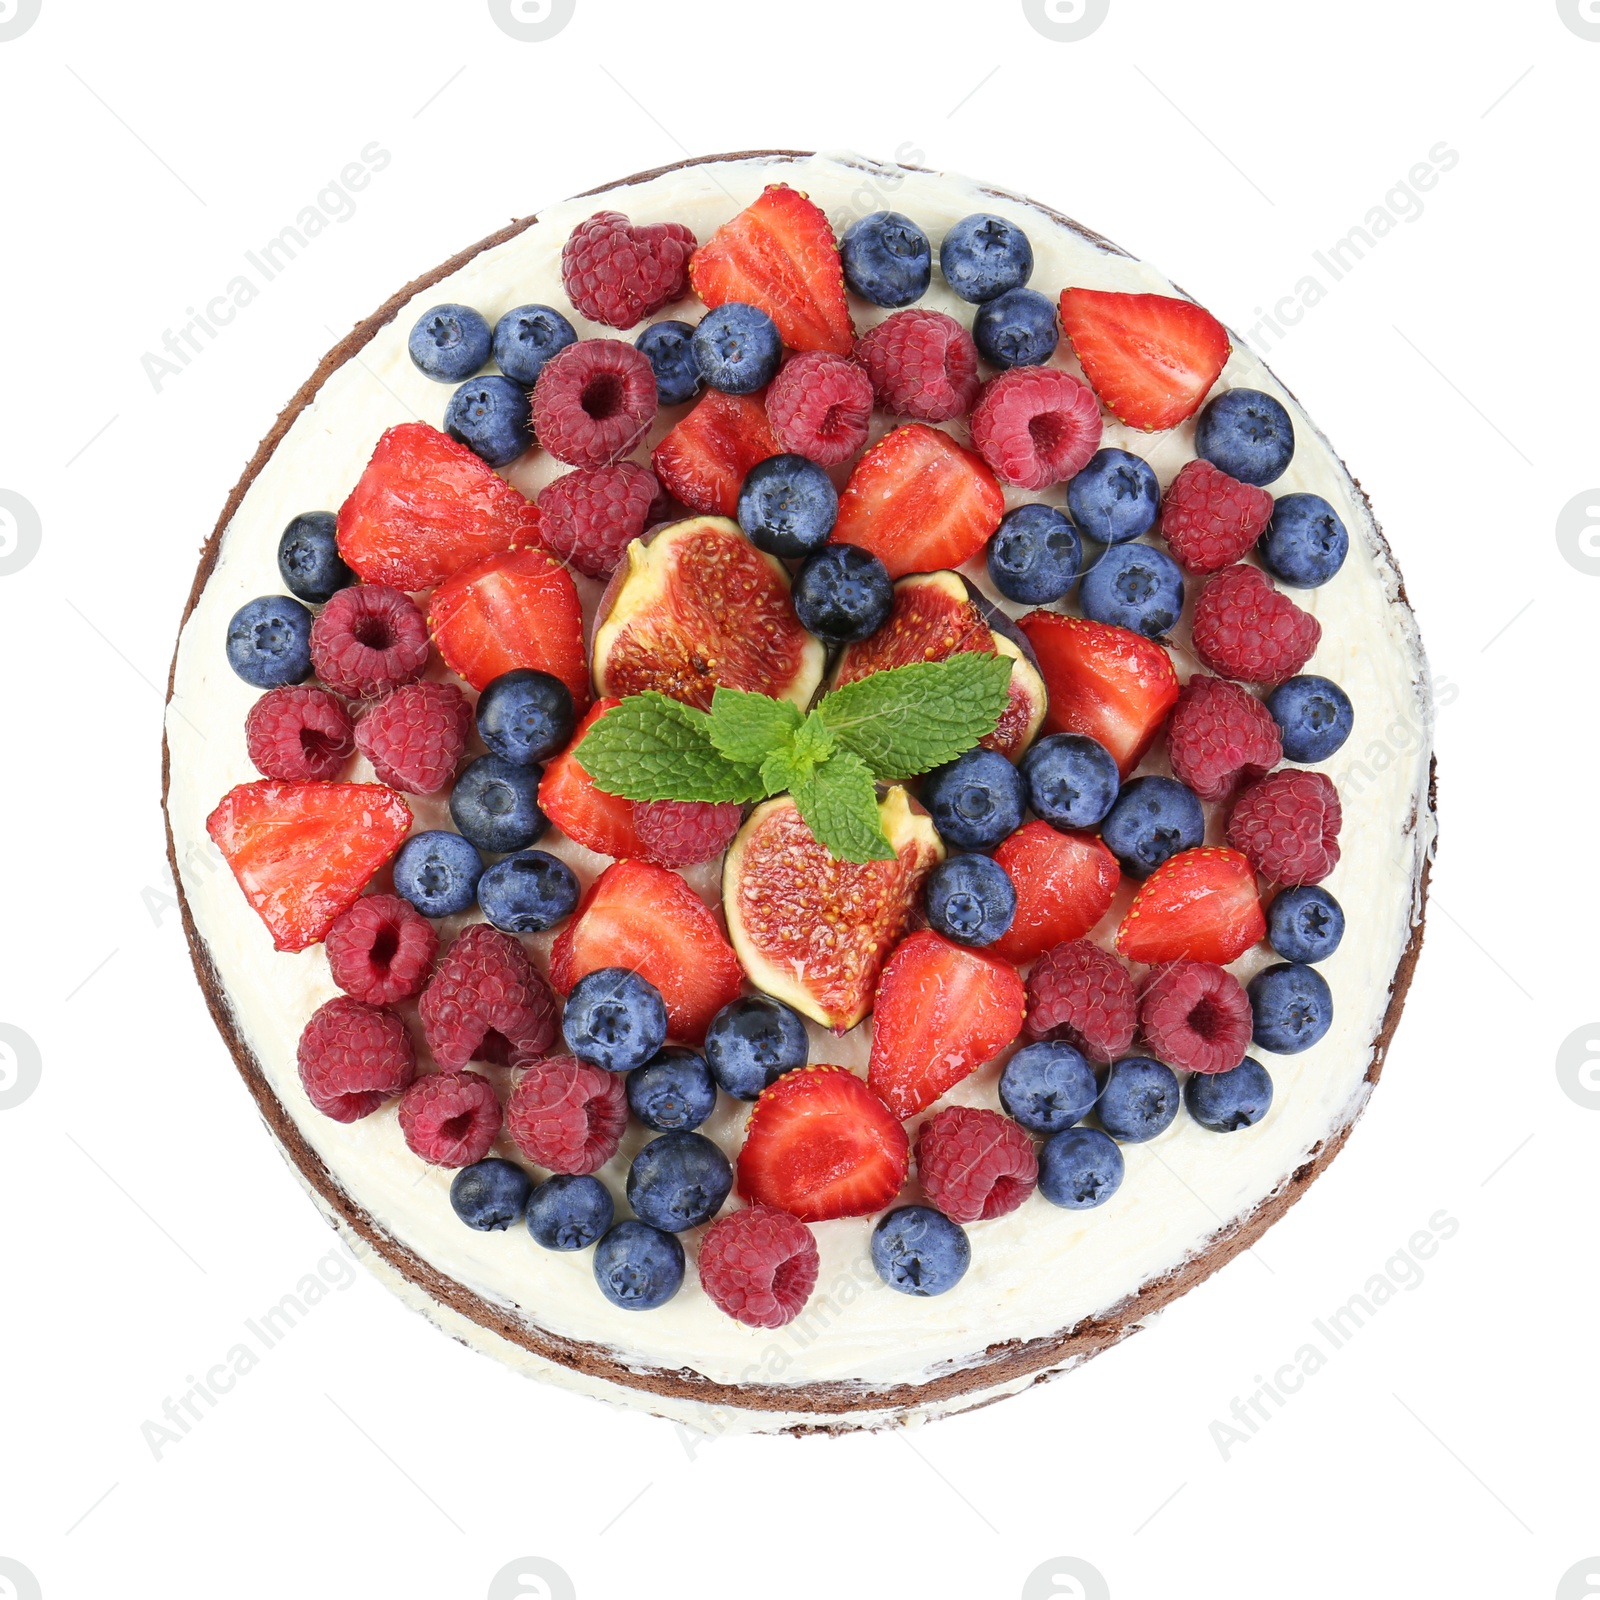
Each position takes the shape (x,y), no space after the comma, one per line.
(1151,358)
(1201,906)
(303,852)
(780,254)
(1065,884)
(642,916)
(942,1011)
(820,1144)
(919,502)
(425,508)
(598,821)
(1110,683)
(704,458)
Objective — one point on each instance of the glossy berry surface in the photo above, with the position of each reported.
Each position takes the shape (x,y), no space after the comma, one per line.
(752,1042)
(614,1019)
(1247,434)
(984,255)
(1224,1102)
(569,1211)
(438,872)
(975,800)
(526,337)
(1292,1005)
(1071,779)
(1138,1100)
(971,899)
(1305,924)
(269,641)
(489,415)
(920,1251)
(738,348)
(1152,820)
(673,1092)
(669,348)
(1134,586)
(1080,1168)
(842,594)
(638,1267)
(449,342)
(679,1181)
(1035,555)
(528,892)
(1048,1085)
(1313,714)
(495,804)
(1115,498)
(308,558)
(525,716)
(1305,543)
(788,506)
(1016,329)
(887,259)
(491,1194)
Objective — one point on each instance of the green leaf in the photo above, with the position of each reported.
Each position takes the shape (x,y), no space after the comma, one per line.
(813,742)
(780,772)
(747,728)
(839,803)
(653,748)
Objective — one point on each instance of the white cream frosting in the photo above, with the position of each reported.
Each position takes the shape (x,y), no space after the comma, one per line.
(1034,1272)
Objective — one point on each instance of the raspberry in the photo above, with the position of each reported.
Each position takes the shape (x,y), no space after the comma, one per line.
(1220,733)
(450,1119)
(300,734)
(819,406)
(1243,628)
(1210,520)
(975,1164)
(369,639)
(922,364)
(487,1002)
(1036,426)
(594,401)
(353,1057)
(589,515)
(415,735)
(617,274)
(566,1115)
(1288,826)
(380,949)
(1084,995)
(1196,1016)
(678,833)
(759,1265)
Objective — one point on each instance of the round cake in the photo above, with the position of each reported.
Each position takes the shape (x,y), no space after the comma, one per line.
(936,968)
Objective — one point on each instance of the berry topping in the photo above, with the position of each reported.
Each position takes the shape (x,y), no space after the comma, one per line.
(598,821)
(705,458)
(526,337)
(380,950)
(1196,1016)
(569,1211)
(614,1019)
(1071,780)
(679,1181)
(495,804)
(759,1265)
(1065,885)
(1133,586)
(353,1057)
(674,1091)
(491,1194)
(450,1119)
(1036,426)
(438,872)
(1293,1007)
(1305,924)
(489,415)
(1082,994)
(1247,434)
(524,715)
(1220,735)
(887,259)
(1115,498)
(415,735)
(920,1251)
(842,594)
(590,514)
(308,558)
(486,1002)
(1306,542)
(1016,329)
(975,1164)
(638,1267)
(975,800)
(1288,826)
(752,1042)
(1153,819)
(299,734)
(528,892)
(669,348)
(269,641)
(567,1116)
(448,343)
(680,833)
(1048,1086)
(1245,629)
(618,274)
(594,402)
(984,255)
(1314,715)
(1035,555)
(788,506)
(737,348)
(1224,1102)
(1079,1168)
(1201,905)
(922,364)
(1209,519)
(1139,1100)
(369,639)
(970,899)
(819,406)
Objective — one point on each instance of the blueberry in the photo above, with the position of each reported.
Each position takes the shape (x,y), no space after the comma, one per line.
(1115,498)
(788,506)
(1246,434)
(752,1042)
(920,1251)
(975,800)
(495,804)
(1292,1006)
(489,415)
(1139,1099)
(738,348)
(1152,820)
(614,1019)
(1227,1101)
(1305,543)
(674,1091)
(1079,1168)
(308,558)
(1071,779)
(1047,1086)
(679,1181)
(971,899)
(490,1195)
(1016,329)
(1314,716)
(528,892)
(638,1267)
(525,715)
(669,348)
(983,255)
(842,594)
(1035,555)
(526,337)
(449,343)
(1134,586)
(1305,924)
(269,641)
(887,259)
(569,1212)
(438,873)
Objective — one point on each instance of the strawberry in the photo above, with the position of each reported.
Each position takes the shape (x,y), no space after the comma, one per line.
(303,852)
(1199,906)
(1151,358)
(1110,683)
(780,254)
(820,1144)
(598,821)
(942,1011)
(1065,884)
(704,458)
(919,502)
(425,508)
(642,916)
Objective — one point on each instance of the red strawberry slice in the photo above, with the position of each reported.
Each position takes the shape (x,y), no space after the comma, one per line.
(425,508)
(1065,884)
(919,502)
(1110,683)
(303,852)
(820,1144)
(942,1011)
(1151,358)
(598,821)
(642,916)
(780,254)
(1200,906)
(704,458)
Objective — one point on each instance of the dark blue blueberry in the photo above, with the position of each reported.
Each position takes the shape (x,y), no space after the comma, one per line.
(1134,586)
(489,415)
(1152,820)
(309,560)
(679,1181)
(449,343)
(1292,1006)
(1016,329)
(528,892)
(495,804)
(1079,1168)
(983,255)
(887,259)
(438,872)
(1048,1086)
(1115,498)
(752,1042)
(738,348)
(843,593)
(1035,555)
(569,1212)
(975,800)
(638,1267)
(669,348)
(1071,779)
(1246,434)
(920,1251)
(1305,924)
(1305,543)
(269,641)
(1313,714)
(1139,1100)
(526,338)
(673,1093)
(1227,1101)
(788,506)
(614,1019)
(525,715)
(971,899)
(490,1195)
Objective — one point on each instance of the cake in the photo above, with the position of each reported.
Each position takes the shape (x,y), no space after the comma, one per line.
(1047,1284)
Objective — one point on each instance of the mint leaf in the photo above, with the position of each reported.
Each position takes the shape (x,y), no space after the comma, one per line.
(652,748)
(840,806)
(780,772)
(747,728)
(813,742)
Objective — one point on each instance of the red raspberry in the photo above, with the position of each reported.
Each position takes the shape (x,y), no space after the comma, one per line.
(1196,1016)
(1036,426)
(678,833)
(1210,520)
(1288,826)
(487,1002)
(594,401)
(819,406)
(381,949)
(922,364)
(450,1119)
(568,1116)
(759,1265)
(617,274)
(974,1163)
(369,639)
(415,735)
(300,734)
(1243,628)
(1083,994)
(587,516)
(1220,733)
(353,1057)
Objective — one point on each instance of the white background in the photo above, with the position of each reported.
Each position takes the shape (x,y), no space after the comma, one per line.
(146,1214)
